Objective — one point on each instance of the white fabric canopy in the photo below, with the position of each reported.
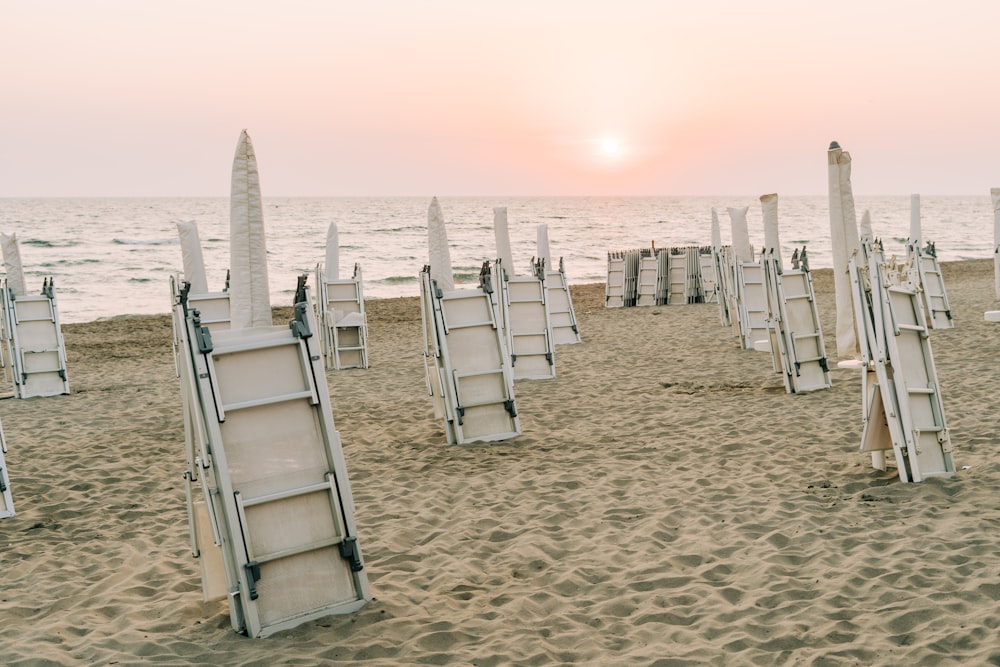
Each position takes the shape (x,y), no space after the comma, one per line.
(769,208)
(915,220)
(741,237)
(866,226)
(716,231)
(194,262)
(845,243)
(437,246)
(995,194)
(542,245)
(249,296)
(502,236)
(12,264)
(332,266)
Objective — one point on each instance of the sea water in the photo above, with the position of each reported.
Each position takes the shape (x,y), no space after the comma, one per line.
(112,257)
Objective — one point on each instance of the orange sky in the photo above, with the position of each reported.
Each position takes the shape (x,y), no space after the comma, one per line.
(117,97)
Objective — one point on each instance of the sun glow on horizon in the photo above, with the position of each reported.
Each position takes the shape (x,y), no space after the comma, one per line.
(610,146)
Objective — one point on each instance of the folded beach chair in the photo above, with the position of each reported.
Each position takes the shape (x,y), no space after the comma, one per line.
(902,407)
(525,322)
(614,287)
(932,290)
(36,353)
(646,282)
(342,320)
(707,281)
(725,262)
(752,303)
(467,363)
(562,317)
(796,337)
(6,500)
(276,499)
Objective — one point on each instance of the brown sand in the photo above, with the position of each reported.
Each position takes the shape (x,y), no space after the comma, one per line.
(667,504)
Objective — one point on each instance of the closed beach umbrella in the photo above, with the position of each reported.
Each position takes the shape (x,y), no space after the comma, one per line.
(12,264)
(844,243)
(741,236)
(502,235)
(866,226)
(915,220)
(716,231)
(439,256)
(542,244)
(249,296)
(191,257)
(769,208)
(332,265)
(995,194)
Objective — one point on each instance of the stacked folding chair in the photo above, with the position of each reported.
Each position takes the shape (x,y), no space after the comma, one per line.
(561,314)
(35,351)
(270,505)
(902,406)
(796,337)
(932,290)
(614,286)
(343,321)
(752,304)
(466,360)
(525,323)
(707,277)
(6,500)
(722,260)
(646,290)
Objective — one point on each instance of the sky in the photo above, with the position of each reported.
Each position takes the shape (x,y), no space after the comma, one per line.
(498,97)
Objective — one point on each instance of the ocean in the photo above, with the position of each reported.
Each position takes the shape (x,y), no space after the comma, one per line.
(113,256)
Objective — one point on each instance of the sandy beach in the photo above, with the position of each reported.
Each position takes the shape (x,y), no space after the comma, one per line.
(667,504)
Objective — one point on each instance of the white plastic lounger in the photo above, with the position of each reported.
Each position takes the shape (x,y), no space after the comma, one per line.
(34,342)
(724,284)
(903,407)
(646,283)
(277,499)
(707,282)
(6,500)
(343,321)
(677,276)
(561,314)
(526,325)
(467,362)
(932,291)
(752,303)
(797,345)
(614,287)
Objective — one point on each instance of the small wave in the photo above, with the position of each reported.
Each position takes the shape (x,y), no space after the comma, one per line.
(38,242)
(396,280)
(140,280)
(146,241)
(70,262)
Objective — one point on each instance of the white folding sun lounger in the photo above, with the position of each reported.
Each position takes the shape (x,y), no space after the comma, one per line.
(647,278)
(34,341)
(752,303)
(343,321)
(796,337)
(277,499)
(932,291)
(6,500)
(467,363)
(561,313)
(903,410)
(614,287)
(677,276)
(708,282)
(524,315)
(724,283)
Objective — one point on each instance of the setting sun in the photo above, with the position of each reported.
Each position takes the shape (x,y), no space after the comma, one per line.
(610,146)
